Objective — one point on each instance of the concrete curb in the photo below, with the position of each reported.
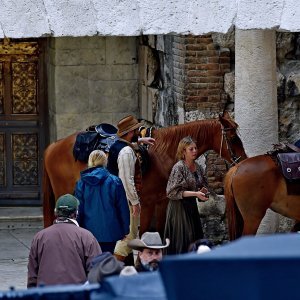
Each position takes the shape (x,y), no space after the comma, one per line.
(21,217)
(21,222)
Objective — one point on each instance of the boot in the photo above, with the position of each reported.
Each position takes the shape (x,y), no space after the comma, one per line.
(129,260)
(120,257)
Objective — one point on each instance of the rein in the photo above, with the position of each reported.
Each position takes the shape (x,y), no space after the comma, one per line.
(233,158)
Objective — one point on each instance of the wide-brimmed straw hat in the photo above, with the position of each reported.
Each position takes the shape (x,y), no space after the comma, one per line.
(127,124)
(149,240)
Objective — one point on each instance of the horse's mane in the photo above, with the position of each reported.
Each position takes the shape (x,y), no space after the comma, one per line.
(171,136)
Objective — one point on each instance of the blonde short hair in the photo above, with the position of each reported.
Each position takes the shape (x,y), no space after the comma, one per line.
(97,158)
(183,144)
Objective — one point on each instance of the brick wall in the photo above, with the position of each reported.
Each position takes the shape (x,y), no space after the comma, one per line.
(199,68)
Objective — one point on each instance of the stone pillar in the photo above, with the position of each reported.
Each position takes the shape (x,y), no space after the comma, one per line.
(256,98)
(255,89)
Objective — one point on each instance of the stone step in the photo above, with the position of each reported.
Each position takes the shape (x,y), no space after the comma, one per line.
(21,217)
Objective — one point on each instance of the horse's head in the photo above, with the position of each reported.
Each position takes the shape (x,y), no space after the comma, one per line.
(231,146)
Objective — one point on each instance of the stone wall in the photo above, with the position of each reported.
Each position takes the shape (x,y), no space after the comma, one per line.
(90,80)
(288,86)
(156,89)
(288,83)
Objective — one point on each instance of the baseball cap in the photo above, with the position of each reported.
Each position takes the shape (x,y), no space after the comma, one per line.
(67,202)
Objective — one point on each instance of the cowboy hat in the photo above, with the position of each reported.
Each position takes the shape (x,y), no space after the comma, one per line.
(149,240)
(127,124)
(104,265)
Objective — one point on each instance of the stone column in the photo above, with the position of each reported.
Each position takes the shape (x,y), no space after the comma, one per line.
(256,98)
(255,89)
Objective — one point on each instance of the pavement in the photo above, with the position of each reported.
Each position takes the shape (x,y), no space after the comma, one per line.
(18,225)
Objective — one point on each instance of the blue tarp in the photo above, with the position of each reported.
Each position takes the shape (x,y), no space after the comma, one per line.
(55,292)
(265,267)
(146,286)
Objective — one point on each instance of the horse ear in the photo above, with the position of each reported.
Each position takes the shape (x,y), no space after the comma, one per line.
(146,122)
(227,121)
(226,115)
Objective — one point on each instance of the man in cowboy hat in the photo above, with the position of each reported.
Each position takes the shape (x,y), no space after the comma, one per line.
(123,162)
(149,249)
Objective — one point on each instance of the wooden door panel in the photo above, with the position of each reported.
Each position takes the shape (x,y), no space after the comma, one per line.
(2,161)
(21,123)
(24,81)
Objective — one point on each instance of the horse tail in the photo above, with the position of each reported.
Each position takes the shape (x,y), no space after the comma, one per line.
(48,197)
(234,217)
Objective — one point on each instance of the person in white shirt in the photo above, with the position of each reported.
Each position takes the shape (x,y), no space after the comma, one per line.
(123,162)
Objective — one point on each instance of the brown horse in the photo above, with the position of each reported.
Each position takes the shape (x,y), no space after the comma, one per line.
(61,171)
(252,186)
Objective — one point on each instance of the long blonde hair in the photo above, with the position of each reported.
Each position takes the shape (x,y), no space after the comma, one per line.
(183,144)
(97,158)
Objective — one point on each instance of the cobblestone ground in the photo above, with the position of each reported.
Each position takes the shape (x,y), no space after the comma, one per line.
(14,250)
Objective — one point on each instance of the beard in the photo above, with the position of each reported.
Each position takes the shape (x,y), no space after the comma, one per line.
(151,266)
(135,138)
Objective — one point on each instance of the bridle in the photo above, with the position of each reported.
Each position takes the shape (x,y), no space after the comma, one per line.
(234,158)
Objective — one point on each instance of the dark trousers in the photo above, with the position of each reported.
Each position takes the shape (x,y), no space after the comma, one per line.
(108,246)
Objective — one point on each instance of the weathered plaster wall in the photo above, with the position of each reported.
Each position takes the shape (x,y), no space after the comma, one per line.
(36,18)
(91,80)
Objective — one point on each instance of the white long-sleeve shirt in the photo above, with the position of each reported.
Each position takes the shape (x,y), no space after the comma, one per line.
(126,166)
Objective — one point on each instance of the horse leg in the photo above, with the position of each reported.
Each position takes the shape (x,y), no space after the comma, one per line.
(251,225)
(48,199)
(147,213)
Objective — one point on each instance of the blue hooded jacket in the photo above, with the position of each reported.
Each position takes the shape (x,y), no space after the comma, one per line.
(103,208)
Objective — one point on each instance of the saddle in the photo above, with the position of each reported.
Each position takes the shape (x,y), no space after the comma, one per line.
(96,137)
(289,163)
(102,137)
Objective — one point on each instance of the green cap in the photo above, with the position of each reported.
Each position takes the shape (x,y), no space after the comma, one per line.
(67,203)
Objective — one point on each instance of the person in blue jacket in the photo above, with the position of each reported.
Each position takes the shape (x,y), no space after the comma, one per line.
(103,208)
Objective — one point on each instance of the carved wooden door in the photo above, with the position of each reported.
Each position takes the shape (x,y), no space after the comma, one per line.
(22,137)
